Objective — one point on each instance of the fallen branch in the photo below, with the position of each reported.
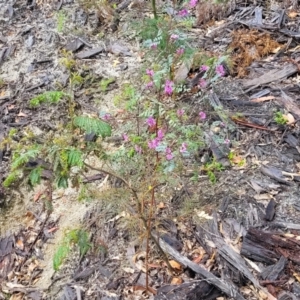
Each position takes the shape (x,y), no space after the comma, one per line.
(228,288)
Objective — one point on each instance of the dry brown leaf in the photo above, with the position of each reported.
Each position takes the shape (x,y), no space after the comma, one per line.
(141,288)
(20,244)
(161,205)
(262,99)
(290,118)
(37,196)
(263,197)
(175,265)
(32,266)
(297,276)
(202,214)
(128,270)
(293,14)
(154,266)
(21,114)
(176,280)
(53,229)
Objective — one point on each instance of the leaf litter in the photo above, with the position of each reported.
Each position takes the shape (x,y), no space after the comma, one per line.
(210,243)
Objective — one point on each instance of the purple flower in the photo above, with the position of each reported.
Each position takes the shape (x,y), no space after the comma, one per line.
(220,70)
(169,87)
(180,51)
(138,149)
(153,143)
(106,117)
(150,72)
(202,115)
(153,46)
(193,3)
(174,37)
(204,68)
(183,148)
(183,13)
(180,112)
(149,85)
(169,154)
(227,142)
(202,83)
(160,135)
(125,137)
(151,121)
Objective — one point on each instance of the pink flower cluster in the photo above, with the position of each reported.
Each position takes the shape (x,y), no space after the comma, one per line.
(180,112)
(220,70)
(153,46)
(193,3)
(169,154)
(179,51)
(202,115)
(169,87)
(151,121)
(153,144)
(174,37)
(106,117)
(150,73)
(183,13)
(183,148)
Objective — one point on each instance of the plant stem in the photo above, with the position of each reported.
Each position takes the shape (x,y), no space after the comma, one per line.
(142,217)
(154,9)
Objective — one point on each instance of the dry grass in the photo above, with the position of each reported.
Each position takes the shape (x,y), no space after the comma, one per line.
(248,46)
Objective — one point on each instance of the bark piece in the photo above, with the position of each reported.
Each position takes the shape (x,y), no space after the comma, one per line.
(74,45)
(271,246)
(272,272)
(188,291)
(89,53)
(274,173)
(226,287)
(270,210)
(289,104)
(271,76)
(173,242)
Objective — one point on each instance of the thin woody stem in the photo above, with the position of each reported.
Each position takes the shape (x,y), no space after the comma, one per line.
(144,220)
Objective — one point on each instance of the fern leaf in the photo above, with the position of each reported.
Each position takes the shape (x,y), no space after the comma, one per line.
(91,125)
(11,178)
(50,97)
(75,158)
(83,242)
(23,158)
(62,182)
(35,176)
(60,255)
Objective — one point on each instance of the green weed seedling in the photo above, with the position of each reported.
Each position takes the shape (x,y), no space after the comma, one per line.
(104,83)
(51,97)
(61,20)
(279,118)
(77,237)
(211,168)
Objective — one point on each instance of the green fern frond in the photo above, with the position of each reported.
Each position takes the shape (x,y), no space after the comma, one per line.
(60,255)
(75,158)
(11,178)
(62,181)
(35,176)
(76,236)
(49,97)
(22,158)
(91,125)
(83,242)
